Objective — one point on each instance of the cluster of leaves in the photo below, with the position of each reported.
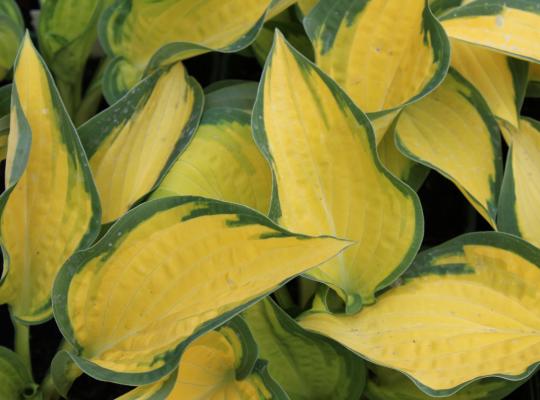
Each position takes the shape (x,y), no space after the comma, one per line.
(161,234)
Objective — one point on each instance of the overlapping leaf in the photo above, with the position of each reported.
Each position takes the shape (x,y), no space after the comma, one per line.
(134,142)
(67,31)
(520,193)
(328,179)
(11,32)
(453,131)
(222,162)
(501,80)
(165,273)
(383,54)
(387,384)
(220,364)
(51,206)
(467,309)
(307,366)
(407,170)
(138,33)
(509,26)
(15,380)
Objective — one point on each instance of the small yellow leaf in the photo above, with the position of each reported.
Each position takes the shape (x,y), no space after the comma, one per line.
(134,142)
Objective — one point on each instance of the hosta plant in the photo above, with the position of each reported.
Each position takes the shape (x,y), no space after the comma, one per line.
(231,200)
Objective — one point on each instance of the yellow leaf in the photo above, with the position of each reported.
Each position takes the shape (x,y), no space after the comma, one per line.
(138,33)
(520,194)
(328,179)
(383,54)
(50,208)
(445,129)
(467,309)
(165,273)
(222,162)
(509,26)
(501,80)
(134,142)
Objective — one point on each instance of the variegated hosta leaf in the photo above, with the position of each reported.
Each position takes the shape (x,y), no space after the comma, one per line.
(231,94)
(328,179)
(166,272)
(51,207)
(387,384)
(67,32)
(11,32)
(223,364)
(220,364)
(383,54)
(520,194)
(467,309)
(453,131)
(222,162)
(307,366)
(132,31)
(5,102)
(133,143)
(509,26)
(409,171)
(15,380)
(501,80)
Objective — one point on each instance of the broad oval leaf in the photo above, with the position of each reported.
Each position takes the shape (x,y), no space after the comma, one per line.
(509,26)
(328,178)
(222,162)
(467,309)
(501,80)
(11,32)
(387,384)
(307,366)
(166,272)
(50,208)
(67,31)
(445,129)
(520,193)
(15,380)
(133,143)
(383,54)
(132,31)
